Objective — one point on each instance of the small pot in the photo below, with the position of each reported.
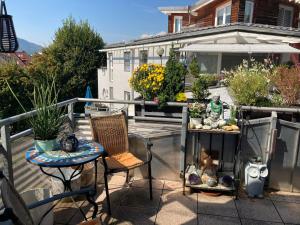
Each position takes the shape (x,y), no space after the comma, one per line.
(46,145)
(196,121)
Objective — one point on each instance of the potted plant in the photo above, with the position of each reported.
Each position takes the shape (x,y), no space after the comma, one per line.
(47,121)
(197,113)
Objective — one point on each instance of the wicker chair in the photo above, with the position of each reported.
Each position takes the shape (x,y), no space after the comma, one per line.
(112,133)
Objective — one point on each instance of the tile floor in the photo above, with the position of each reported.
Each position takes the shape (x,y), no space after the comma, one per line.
(131,205)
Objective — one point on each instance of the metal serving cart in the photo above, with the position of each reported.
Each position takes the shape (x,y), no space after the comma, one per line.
(233,172)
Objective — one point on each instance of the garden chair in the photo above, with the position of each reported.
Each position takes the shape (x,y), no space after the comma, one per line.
(15,209)
(112,133)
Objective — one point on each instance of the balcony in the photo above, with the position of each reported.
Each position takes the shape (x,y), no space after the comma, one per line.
(130,202)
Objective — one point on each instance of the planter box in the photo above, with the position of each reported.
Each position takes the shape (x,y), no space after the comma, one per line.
(155,111)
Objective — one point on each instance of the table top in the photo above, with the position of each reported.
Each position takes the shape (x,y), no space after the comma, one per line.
(87,151)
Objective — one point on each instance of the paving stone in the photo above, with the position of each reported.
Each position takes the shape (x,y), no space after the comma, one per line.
(217,220)
(285,197)
(139,197)
(176,200)
(289,212)
(177,209)
(176,217)
(173,185)
(144,183)
(133,215)
(221,205)
(65,211)
(257,209)
(258,222)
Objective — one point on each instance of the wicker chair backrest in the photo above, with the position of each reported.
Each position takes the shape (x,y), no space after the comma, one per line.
(111,132)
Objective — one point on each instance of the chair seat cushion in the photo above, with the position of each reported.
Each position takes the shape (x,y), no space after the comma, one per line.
(123,161)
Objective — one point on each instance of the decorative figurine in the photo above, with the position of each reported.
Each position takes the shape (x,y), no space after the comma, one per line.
(215,113)
(69,144)
(208,169)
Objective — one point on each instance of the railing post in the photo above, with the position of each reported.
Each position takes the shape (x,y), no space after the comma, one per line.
(143,108)
(71,113)
(8,164)
(183,139)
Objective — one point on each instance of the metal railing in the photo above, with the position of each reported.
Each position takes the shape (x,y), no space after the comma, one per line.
(7,138)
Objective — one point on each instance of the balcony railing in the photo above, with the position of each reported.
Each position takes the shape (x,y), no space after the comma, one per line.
(7,138)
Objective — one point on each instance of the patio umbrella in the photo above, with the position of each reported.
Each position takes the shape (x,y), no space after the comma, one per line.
(88,94)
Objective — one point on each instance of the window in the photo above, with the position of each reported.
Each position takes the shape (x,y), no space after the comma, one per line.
(285,16)
(111,93)
(143,57)
(223,15)
(126,95)
(249,6)
(177,24)
(127,61)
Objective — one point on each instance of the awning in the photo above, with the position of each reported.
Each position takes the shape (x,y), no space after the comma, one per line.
(240,48)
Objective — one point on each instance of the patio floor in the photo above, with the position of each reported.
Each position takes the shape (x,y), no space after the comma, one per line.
(131,205)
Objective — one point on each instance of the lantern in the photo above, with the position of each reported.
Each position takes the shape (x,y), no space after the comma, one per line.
(8,38)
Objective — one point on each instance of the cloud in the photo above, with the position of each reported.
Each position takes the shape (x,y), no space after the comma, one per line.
(153,35)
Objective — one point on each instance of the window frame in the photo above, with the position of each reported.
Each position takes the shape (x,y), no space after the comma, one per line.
(174,24)
(251,12)
(223,7)
(127,61)
(140,57)
(110,66)
(286,8)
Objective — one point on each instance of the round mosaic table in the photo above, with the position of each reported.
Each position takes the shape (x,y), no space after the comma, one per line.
(87,151)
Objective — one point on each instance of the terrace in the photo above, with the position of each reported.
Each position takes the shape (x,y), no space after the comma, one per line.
(130,202)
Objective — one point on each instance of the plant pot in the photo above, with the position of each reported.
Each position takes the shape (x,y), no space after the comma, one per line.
(47,145)
(196,121)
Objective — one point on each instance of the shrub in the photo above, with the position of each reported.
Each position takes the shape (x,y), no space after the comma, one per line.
(211,79)
(287,81)
(174,80)
(148,80)
(194,68)
(250,86)
(200,88)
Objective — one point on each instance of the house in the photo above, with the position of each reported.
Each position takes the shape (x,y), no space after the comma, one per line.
(220,33)
(20,58)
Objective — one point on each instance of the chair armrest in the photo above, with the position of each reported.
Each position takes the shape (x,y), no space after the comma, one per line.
(147,142)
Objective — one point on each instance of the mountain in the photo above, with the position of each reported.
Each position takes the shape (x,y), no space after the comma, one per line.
(28,47)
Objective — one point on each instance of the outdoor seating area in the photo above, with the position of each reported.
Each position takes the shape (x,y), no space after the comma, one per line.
(131,205)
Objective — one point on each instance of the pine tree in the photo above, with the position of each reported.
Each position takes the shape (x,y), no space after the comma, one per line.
(174,79)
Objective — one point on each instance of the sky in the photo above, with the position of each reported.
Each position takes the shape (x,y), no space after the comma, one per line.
(114,20)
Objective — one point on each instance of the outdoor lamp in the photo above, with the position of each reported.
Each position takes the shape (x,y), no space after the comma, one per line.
(8,38)
(160,51)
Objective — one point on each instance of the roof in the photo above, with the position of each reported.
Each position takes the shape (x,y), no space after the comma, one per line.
(240,48)
(206,31)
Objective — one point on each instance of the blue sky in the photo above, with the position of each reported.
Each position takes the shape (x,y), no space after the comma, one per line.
(115,20)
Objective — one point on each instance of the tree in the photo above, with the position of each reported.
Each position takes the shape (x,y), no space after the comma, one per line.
(175,72)
(73,58)
(194,68)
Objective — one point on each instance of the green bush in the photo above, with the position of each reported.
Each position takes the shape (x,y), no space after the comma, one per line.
(194,68)
(173,84)
(211,79)
(250,86)
(200,88)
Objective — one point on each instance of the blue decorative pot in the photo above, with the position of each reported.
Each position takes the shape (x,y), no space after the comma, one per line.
(47,145)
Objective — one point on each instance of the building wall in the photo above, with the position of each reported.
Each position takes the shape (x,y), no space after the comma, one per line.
(265,12)
(120,80)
